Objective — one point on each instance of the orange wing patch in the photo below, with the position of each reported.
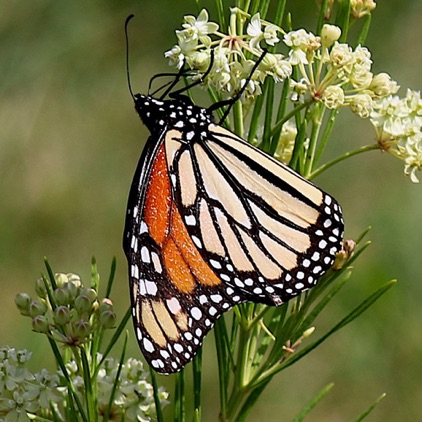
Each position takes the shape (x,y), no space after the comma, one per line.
(158,200)
(181,257)
(189,251)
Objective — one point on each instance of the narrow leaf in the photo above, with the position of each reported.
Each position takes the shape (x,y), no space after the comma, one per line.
(301,416)
(370,409)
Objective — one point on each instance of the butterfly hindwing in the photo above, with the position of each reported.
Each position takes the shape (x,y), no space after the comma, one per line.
(264,230)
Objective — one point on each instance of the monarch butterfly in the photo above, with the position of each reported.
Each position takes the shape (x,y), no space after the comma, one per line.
(212,222)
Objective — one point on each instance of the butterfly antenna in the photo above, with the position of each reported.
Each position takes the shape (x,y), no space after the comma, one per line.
(231,101)
(129,85)
(198,81)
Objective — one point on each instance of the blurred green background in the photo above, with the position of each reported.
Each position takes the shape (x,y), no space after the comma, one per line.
(69,143)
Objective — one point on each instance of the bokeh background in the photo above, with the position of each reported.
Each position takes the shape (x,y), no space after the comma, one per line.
(70,141)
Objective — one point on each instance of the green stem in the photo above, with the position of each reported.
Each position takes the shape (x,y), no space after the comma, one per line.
(268,115)
(322,15)
(343,157)
(317,116)
(279,14)
(278,126)
(197,372)
(219,333)
(325,136)
(365,29)
(179,397)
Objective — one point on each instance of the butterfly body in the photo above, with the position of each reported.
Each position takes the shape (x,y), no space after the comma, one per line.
(213,222)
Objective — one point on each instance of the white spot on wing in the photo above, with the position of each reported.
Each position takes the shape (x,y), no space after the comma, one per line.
(151,287)
(148,346)
(174,305)
(196,313)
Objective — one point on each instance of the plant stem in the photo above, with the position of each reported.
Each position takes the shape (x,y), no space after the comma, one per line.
(343,157)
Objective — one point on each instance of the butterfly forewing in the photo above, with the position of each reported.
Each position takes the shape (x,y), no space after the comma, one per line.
(213,222)
(176,297)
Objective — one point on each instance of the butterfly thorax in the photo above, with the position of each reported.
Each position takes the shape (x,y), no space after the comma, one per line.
(179,113)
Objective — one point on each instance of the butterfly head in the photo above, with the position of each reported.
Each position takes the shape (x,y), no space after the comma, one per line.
(178,113)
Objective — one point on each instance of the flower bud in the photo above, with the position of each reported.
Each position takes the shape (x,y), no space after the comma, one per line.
(361,105)
(344,255)
(81,329)
(61,315)
(72,290)
(330,34)
(40,289)
(333,97)
(361,8)
(308,332)
(82,304)
(108,319)
(37,308)
(75,279)
(61,296)
(106,305)
(90,293)
(60,279)
(382,85)
(40,324)
(199,60)
(22,301)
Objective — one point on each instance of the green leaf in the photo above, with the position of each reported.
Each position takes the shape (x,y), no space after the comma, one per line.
(89,397)
(346,320)
(197,375)
(116,382)
(111,277)
(370,409)
(365,29)
(158,409)
(301,416)
(179,397)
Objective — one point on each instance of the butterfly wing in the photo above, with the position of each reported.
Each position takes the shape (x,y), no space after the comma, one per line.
(266,231)
(213,222)
(176,297)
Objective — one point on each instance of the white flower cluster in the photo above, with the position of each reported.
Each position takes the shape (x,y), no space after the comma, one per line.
(334,73)
(329,72)
(24,395)
(398,124)
(231,63)
(21,392)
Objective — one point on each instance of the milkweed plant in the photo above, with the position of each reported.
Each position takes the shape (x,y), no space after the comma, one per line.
(288,109)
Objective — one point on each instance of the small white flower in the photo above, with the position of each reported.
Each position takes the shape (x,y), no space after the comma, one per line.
(333,97)
(361,105)
(254,31)
(175,56)
(362,59)
(187,41)
(286,142)
(270,34)
(199,60)
(382,85)
(276,66)
(299,90)
(302,45)
(329,34)
(199,27)
(360,79)
(360,8)
(341,57)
